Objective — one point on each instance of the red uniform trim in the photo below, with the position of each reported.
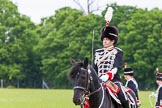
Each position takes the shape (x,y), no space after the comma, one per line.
(110,74)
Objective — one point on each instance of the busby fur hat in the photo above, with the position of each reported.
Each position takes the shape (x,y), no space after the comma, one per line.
(128,71)
(110,32)
(159,76)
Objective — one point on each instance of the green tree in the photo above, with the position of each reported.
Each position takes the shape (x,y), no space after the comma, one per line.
(140,38)
(17,38)
(69,36)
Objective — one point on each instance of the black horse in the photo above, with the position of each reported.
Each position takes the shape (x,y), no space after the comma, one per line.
(87,84)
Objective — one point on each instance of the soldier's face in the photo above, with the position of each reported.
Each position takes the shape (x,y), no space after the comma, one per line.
(107,42)
(125,76)
(159,82)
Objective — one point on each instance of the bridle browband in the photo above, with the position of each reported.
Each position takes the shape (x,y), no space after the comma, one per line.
(89,79)
(88,83)
(87,92)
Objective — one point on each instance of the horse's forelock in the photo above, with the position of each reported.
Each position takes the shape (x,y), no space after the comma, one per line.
(74,70)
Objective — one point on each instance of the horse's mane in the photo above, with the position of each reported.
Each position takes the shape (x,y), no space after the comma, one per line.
(94,72)
(74,70)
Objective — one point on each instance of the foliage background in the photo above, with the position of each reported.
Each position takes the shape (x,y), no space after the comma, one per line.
(31,53)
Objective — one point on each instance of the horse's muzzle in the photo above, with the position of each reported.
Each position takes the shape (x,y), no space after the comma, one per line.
(76,101)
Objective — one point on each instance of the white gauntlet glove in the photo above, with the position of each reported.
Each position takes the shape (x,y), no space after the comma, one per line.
(104,77)
(107,76)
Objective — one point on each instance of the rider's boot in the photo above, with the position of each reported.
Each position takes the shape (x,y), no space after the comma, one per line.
(125,104)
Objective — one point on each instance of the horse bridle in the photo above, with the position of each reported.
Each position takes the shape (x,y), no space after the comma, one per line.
(88,83)
(87,93)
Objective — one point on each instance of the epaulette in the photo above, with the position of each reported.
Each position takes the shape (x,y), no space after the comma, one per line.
(118,48)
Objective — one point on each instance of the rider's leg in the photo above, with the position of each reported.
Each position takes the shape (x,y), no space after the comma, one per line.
(122,96)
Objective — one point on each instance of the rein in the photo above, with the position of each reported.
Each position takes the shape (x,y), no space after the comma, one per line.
(87,93)
(90,93)
(89,81)
(94,92)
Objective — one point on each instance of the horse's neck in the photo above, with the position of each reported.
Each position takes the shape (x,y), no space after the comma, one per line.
(96,99)
(100,99)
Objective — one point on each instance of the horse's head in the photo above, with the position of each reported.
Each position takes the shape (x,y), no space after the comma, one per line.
(79,73)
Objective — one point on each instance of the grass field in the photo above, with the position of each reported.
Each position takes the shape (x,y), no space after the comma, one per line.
(40,98)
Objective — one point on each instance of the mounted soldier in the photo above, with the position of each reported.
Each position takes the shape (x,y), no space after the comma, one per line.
(108,60)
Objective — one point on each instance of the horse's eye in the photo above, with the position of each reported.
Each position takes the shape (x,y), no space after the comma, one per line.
(83,77)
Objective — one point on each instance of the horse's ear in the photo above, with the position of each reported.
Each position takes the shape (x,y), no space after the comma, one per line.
(72,61)
(85,62)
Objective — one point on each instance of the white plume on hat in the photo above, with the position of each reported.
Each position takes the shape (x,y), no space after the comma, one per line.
(109,14)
